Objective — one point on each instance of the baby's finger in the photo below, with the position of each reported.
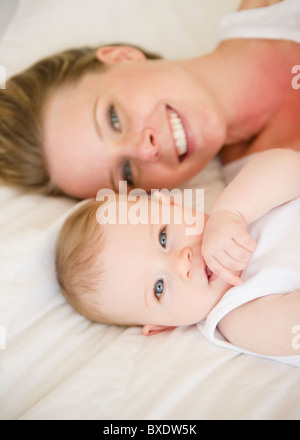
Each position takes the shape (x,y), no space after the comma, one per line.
(244,239)
(238,252)
(221,271)
(231,263)
(228,262)
(231,256)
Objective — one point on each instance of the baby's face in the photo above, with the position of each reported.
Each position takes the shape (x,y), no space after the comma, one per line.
(155,274)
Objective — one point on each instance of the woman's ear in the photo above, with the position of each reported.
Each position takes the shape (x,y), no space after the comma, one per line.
(114,54)
(149,330)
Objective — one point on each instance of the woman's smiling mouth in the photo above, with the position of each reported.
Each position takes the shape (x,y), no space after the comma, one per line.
(178,134)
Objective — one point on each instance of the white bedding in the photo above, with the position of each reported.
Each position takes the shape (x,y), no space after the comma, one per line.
(56,364)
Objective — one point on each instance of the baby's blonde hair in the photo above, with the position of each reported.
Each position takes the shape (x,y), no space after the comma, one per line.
(78,260)
(22,160)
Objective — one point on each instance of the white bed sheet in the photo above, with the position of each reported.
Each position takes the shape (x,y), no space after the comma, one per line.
(58,365)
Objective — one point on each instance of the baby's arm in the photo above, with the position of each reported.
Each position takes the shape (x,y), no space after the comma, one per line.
(270,179)
(268,325)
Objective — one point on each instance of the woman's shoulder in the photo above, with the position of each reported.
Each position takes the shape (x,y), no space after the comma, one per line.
(252,4)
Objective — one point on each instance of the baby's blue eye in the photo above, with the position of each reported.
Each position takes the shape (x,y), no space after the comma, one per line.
(159,288)
(163,238)
(114,120)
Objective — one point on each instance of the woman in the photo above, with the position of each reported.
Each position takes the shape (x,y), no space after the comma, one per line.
(85,120)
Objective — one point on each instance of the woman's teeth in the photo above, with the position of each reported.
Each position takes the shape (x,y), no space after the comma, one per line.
(178,134)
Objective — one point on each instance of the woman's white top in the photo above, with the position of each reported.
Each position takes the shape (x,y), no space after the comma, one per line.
(280,21)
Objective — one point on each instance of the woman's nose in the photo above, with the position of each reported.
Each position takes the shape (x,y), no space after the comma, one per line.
(148,148)
(184,263)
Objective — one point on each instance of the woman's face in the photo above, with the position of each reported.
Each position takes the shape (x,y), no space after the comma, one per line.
(147,122)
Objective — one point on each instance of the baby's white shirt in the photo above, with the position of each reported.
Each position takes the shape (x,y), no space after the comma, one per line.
(274,269)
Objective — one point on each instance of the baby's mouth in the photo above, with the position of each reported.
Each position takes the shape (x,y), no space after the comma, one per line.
(210,275)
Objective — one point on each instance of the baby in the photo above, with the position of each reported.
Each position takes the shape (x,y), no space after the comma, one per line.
(155,275)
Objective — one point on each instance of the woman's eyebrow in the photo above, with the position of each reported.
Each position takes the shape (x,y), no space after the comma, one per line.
(97,127)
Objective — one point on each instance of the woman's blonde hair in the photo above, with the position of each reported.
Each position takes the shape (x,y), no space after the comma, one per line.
(22,160)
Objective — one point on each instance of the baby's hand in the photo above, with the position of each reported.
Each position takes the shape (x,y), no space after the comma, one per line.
(227,247)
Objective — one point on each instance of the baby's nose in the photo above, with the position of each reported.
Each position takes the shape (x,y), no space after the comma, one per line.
(184,263)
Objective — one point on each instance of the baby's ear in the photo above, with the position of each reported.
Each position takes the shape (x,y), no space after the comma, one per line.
(149,330)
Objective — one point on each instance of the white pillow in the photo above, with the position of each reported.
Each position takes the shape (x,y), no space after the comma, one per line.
(7,11)
(174,28)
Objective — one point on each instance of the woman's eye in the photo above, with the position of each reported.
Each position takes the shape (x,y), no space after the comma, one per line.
(114,120)
(163,238)
(127,173)
(159,289)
